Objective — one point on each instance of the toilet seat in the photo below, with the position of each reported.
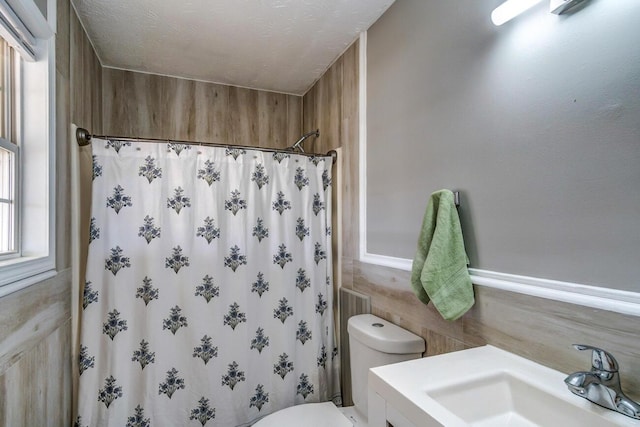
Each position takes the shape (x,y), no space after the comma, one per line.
(309,414)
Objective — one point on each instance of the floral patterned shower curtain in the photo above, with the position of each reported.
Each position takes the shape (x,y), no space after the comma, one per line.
(208,298)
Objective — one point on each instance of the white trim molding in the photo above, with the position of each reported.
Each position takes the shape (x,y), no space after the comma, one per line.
(386,261)
(623,302)
(615,300)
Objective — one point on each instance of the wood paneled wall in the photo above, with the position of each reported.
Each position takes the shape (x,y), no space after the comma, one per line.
(331,105)
(152,106)
(35,323)
(536,328)
(35,355)
(85,95)
(86,78)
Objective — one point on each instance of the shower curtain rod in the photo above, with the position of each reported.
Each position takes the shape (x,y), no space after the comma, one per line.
(83,137)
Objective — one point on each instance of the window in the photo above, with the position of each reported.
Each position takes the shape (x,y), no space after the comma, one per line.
(27,137)
(8,217)
(9,159)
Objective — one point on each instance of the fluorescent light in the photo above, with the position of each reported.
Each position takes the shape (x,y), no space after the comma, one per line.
(510,9)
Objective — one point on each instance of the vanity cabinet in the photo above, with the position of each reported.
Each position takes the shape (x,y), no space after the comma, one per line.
(382,414)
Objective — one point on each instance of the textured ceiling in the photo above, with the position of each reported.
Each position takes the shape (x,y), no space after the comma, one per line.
(277,45)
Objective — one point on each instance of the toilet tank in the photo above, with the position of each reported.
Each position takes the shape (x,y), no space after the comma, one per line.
(375,342)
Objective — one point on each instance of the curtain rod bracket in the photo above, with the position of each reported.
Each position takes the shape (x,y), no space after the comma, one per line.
(334,156)
(83,137)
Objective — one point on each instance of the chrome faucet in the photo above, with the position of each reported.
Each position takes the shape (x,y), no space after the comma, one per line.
(601,385)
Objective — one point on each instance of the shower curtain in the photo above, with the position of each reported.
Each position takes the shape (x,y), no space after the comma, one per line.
(208,295)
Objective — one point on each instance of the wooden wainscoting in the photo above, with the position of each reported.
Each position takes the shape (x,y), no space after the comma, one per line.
(35,354)
(536,328)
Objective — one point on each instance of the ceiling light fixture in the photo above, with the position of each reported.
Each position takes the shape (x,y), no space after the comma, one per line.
(510,9)
(560,6)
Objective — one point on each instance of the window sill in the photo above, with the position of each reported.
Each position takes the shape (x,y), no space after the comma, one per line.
(18,273)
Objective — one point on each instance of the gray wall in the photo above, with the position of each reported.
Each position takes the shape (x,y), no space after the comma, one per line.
(536,122)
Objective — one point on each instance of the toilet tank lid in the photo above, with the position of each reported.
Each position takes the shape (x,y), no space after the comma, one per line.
(383,336)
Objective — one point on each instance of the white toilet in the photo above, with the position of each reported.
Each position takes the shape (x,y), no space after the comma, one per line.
(373,342)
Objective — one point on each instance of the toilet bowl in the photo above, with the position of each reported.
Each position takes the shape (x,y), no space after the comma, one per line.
(310,415)
(372,342)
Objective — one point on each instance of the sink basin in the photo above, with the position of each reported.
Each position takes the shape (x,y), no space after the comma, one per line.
(504,399)
(483,386)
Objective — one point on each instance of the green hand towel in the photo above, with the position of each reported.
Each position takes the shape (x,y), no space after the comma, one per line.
(439,272)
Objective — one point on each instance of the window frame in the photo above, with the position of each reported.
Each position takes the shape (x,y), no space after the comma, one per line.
(15,198)
(9,105)
(35,137)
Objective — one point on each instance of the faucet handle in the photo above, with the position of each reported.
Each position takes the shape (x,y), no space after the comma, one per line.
(601,360)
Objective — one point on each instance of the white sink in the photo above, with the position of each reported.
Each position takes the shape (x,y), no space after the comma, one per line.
(503,399)
(483,386)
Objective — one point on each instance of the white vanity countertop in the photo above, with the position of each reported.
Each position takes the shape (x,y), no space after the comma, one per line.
(409,387)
